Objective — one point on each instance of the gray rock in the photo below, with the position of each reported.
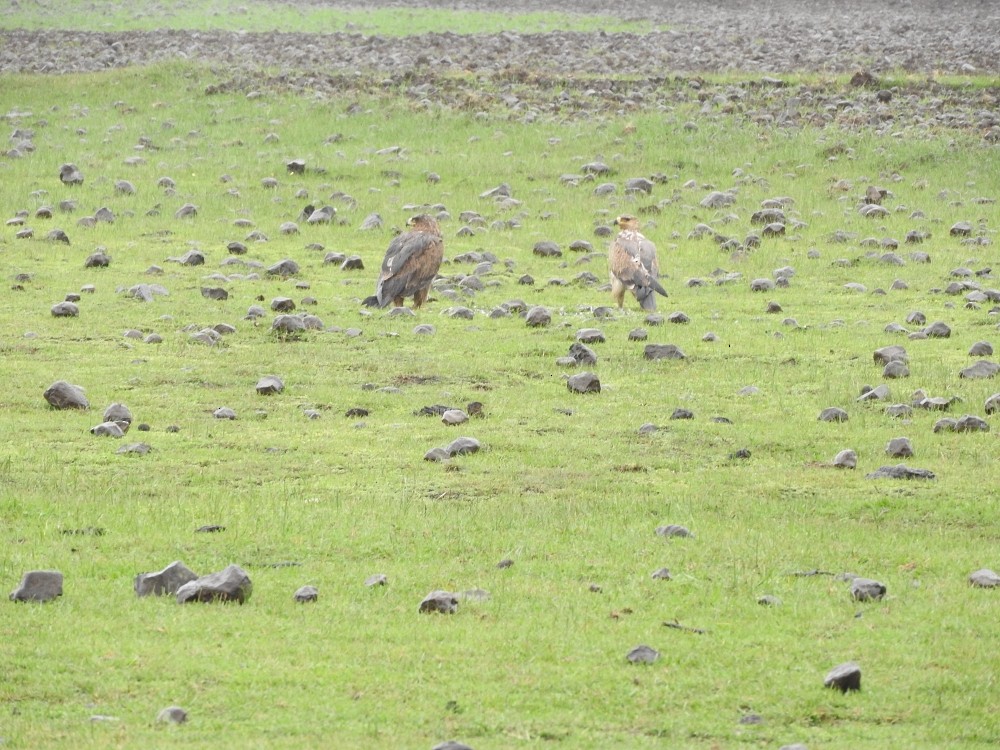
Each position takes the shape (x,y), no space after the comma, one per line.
(216,293)
(63,395)
(993,404)
(898,410)
(663,574)
(232,584)
(769,600)
(306,594)
(867,590)
(682,414)
(981,349)
(590,336)
(984,579)
(648,428)
(638,334)
(795,746)
(844,677)
(947,424)
(982,369)
(138,448)
(38,586)
(165,581)
(833,414)
(900,471)
(118,412)
(972,423)
(172,715)
(547,249)
(582,354)
(454,417)
(642,655)
(662,351)
(761,285)
(282,304)
(673,530)
(269,385)
(377,579)
(107,429)
(288,324)
(537,317)
(65,310)
(878,393)
(896,369)
(437,454)
(938,330)
(846,459)
(899,447)
(463,446)
(584,382)
(443,602)
(224,412)
(97,259)
(451,745)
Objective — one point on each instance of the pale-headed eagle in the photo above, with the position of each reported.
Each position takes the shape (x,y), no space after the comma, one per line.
(411,262)
(633,265)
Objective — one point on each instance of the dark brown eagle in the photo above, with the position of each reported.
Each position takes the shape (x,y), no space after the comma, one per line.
(411,262)
(633,265)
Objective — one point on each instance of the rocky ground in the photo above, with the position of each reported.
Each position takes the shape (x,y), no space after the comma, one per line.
(529,73)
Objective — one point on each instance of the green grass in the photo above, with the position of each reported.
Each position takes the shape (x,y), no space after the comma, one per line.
(236,15)
(572,498)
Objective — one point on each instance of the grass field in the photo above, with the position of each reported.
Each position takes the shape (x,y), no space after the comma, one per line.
(565,485)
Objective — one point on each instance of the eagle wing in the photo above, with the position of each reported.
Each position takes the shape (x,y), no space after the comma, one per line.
(411,262)
(633,262)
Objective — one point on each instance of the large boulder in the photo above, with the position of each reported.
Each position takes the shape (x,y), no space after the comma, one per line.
(63,395)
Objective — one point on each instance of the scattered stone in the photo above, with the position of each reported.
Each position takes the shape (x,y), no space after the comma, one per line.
(590,336)
(306,594)
(844,677)
(232,584)
(900,471)
(63,395)
(833,414)
(663,574)
(867,590)
(165,581)
(377,579)
(107,429)
(454,417)
(769,600)
(663,351)
(878,393)
(172,715)
(972,423)
(451,745)
(981,349)
(537,317)
(983,369)
(224,412)
(846,459)
(288,324)
(673,530)
(993,404)
(642,655)
(900,447)
(269,385)
(896,369)
(443,602)
(584,382)
(138,448)
(984,579)
(582,354)
(65,310)
(462,446)
(638,334)
(38,586)
(938,330)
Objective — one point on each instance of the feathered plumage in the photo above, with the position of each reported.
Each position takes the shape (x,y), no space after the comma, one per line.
(633,265)
(411,262)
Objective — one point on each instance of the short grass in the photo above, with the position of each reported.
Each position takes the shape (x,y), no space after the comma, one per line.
(266,16)
(565,485)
